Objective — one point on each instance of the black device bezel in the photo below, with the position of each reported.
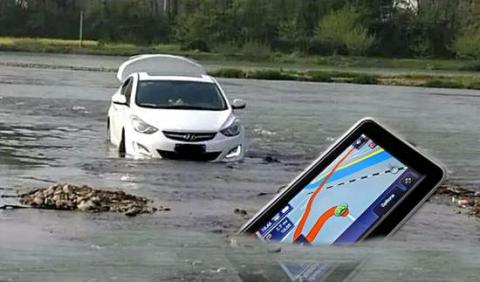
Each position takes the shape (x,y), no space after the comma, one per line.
(433,173)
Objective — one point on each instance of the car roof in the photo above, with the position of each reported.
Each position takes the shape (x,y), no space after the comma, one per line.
(199,78)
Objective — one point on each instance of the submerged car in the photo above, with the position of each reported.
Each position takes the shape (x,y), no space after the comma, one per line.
(168,107)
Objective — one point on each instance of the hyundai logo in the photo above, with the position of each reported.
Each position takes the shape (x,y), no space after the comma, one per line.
(189,137)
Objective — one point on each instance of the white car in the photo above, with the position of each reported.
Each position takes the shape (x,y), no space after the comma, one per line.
(168,107)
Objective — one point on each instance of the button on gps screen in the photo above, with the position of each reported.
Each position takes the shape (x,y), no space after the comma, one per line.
(388,201)
(409,181)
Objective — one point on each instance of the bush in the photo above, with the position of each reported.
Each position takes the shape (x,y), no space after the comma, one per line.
(357,41)
(227,48)
(467,45)
(365,79)
(474,84)
(475,66)
(320,76)
(192,32)
(422,48)
(342,29)
(256,50)
(443,83)
(229,73)
(271,75)
(197,44)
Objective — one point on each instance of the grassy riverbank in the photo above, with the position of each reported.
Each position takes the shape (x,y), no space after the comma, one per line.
(421,80)
(278,66)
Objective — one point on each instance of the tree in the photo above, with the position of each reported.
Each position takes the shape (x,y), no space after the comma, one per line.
(307,17)
(435,26)
(343,30)
(467,44)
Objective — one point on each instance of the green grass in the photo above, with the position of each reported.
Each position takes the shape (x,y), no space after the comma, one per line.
(467,82)
(277,66)
(453,82)
(87,47)
(44,42)
(280,60)
(399,63)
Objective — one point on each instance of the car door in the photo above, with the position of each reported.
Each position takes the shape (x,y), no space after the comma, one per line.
(119,111)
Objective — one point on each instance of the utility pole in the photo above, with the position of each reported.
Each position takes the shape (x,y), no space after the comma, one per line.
(80,34)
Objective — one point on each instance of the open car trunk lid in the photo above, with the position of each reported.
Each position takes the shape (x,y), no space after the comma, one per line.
(160,64)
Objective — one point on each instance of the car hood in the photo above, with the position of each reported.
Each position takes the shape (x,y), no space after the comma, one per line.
(186,120)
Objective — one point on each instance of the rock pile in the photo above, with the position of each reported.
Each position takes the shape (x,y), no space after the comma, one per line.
(463,198)
(85,198)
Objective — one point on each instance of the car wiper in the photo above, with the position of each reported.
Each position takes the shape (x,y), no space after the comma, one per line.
(149,105)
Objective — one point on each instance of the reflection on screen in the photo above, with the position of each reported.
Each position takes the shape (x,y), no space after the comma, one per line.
(345,199)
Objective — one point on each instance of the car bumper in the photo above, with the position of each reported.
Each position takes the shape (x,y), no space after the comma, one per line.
(157,145)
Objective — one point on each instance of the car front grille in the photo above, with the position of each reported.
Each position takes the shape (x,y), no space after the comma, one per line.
(210,156)
(189,136)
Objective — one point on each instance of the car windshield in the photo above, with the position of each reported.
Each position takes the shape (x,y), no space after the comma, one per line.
(187,95)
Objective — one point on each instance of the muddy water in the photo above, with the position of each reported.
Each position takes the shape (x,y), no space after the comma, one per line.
(52,129)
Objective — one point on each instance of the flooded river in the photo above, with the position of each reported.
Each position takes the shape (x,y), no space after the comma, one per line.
(52,129)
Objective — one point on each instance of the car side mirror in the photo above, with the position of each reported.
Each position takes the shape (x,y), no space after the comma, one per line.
(238,104)
(119,99)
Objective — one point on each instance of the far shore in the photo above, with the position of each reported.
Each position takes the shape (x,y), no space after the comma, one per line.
(440,73)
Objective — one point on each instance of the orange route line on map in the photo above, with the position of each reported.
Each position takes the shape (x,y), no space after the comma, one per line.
(321,221)
(301,224)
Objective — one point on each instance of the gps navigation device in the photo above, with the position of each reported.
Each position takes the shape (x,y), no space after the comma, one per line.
(365,185)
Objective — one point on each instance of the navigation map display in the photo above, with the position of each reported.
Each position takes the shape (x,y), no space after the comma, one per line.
(346,199)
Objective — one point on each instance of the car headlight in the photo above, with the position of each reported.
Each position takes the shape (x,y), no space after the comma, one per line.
(142,127)
(232,130)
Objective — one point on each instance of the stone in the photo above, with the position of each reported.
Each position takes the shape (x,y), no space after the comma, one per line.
(56,197)
(95,199)
(133,211)
(48,202)
(50,190)
(83,206)
(240,212)
(69,205)
(270,159)
(67,189)
(59,204)
(91,205)
(465,202)
(38,201)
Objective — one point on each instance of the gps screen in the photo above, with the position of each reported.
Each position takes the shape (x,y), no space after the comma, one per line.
(346,199)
